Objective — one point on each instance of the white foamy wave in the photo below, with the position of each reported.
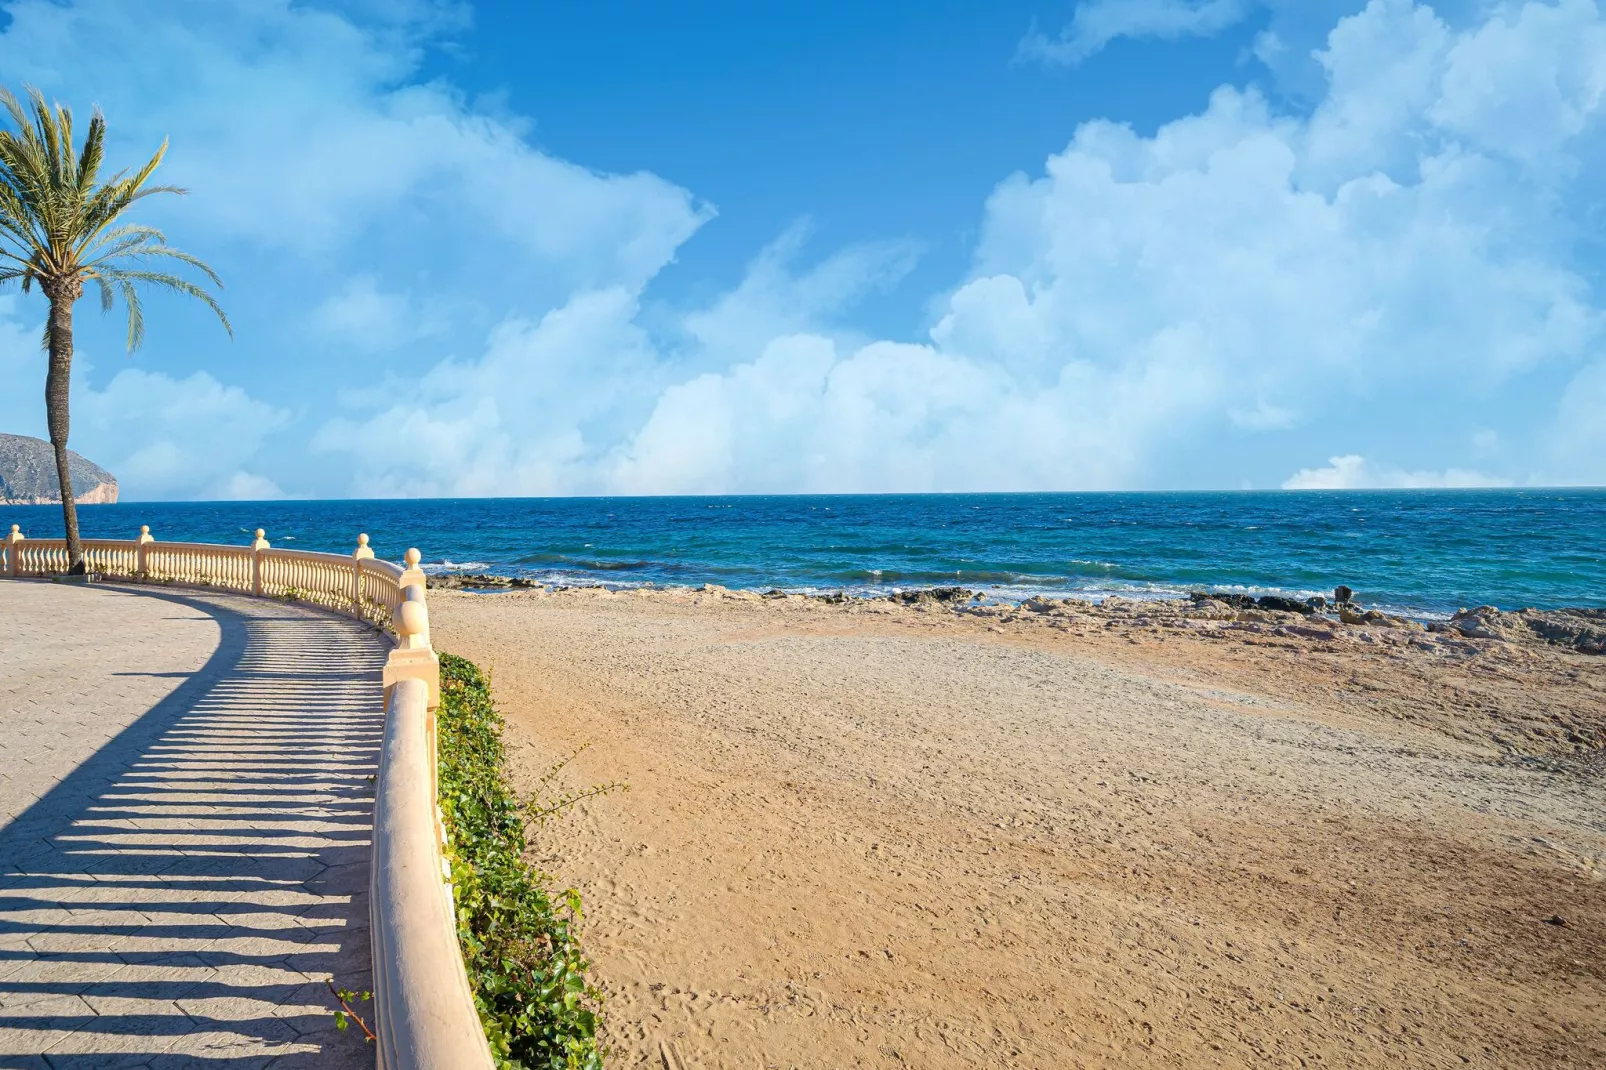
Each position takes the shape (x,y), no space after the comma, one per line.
(436,568)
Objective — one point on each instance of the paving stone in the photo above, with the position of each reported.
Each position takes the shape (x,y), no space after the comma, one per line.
(185,851)
(39,979)
(32,1029)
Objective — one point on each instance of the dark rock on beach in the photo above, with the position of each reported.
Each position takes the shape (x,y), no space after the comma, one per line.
(1283,605)
(1245,601)
(1236,601)
(478,581)
(929,595)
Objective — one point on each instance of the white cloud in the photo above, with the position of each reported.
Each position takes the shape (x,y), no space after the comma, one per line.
(1240,272)
(1264,416)
(247,487)
(550,405)
(775,298)
(1098,22)
(298,129)
(806,416)
(1395,264)
(524,418)
(371,216)
(161,436)
(1354,472)
(173,438)
(1574,443)
(362,316)
(1527,81)
(1127,301)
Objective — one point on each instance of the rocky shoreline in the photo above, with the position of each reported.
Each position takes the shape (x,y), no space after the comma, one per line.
(1318,619)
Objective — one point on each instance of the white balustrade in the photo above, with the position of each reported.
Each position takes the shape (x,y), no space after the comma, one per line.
(424,1007)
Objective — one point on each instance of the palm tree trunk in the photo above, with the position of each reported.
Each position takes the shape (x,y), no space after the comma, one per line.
(57,380)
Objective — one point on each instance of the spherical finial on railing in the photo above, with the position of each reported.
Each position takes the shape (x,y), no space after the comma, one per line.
(362,540)
(261,533)
(144,529)
(15,528)
(411,619)
(413,557)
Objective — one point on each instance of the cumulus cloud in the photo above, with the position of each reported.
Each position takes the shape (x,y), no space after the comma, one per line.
(1574,443)
(524,418)
(1192,306)
(161,436)
(247,487)
(1098,22)
(776,296)
(552,404)
(297,128)
(1527,81)
(1240,269)
(363,217)
(1353,472)
(363,316)
(165,437)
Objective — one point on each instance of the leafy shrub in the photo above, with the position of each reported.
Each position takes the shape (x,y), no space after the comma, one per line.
(539,1009)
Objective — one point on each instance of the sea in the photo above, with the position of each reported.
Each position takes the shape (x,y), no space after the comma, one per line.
(1422,552)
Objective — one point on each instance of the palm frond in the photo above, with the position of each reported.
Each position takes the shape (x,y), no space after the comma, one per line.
(182,257)
(151,191)
(120,233)
(7,254)
(128,240)
(62,223)
(94,149)
(136,315)
(44,118)
(13,107)
(177,283)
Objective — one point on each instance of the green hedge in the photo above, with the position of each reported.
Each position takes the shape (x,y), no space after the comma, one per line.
(539,1008)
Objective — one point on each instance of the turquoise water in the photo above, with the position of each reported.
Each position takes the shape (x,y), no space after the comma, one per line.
(1419,551)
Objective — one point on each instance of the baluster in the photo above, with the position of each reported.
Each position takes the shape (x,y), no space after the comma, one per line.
(257,546)
(14,550)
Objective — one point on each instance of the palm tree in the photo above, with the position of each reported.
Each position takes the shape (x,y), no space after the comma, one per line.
(60,228)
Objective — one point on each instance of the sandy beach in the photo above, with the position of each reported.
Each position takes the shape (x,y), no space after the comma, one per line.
(861,834)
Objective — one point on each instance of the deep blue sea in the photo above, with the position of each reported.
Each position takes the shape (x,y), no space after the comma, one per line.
(1425,552)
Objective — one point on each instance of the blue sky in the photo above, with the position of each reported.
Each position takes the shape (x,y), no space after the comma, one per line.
(553,248)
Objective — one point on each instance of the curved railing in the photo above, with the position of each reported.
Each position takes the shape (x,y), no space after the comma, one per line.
(424,1007)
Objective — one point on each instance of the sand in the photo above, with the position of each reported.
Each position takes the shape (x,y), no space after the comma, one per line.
(871,835)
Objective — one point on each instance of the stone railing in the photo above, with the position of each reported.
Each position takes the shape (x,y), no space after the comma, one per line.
(424,1008)
(360,584)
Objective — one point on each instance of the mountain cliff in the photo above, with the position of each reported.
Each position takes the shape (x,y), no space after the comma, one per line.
(28,475)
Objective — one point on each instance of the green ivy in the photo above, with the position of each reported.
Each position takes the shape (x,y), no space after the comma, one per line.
(539,1008)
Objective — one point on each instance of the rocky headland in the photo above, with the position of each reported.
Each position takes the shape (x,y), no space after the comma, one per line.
(28,475)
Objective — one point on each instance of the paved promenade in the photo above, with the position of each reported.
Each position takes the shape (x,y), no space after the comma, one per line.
(185,793)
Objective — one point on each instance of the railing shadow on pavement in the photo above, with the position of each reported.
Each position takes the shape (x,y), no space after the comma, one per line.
(181,897)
